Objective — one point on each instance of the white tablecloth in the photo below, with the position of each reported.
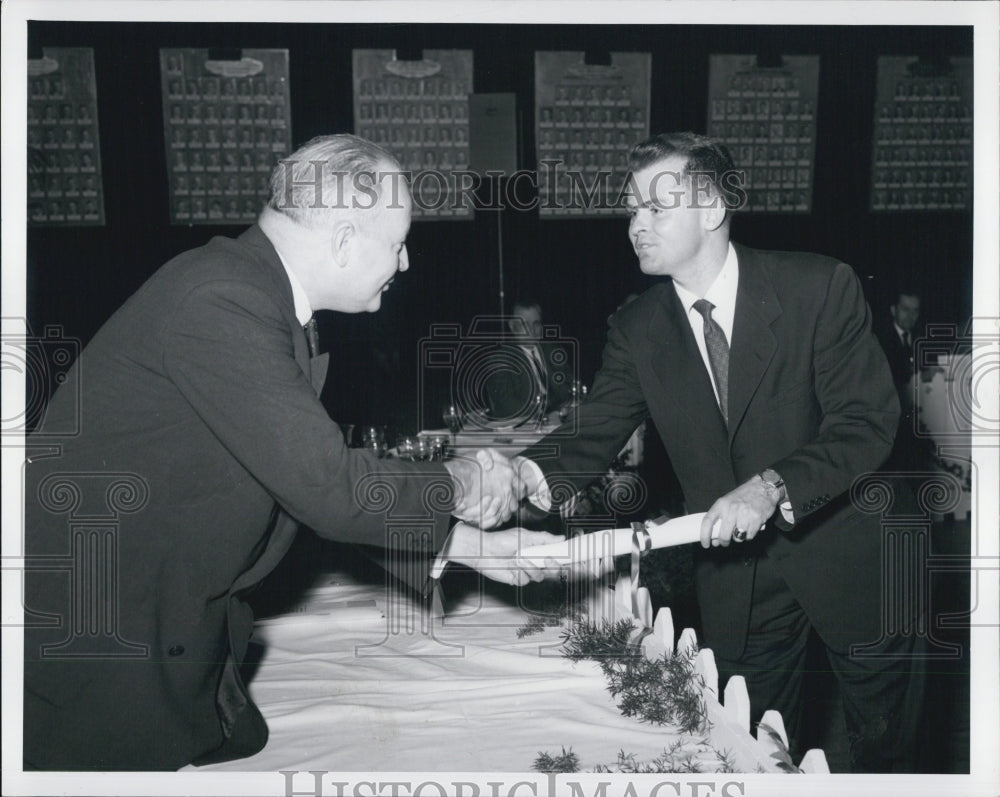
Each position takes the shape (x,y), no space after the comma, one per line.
(340,693)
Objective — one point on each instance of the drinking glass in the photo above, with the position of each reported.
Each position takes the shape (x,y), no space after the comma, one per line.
(452,419)
(373,439)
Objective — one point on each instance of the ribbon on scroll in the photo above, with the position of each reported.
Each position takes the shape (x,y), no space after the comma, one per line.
(598,545)
(641,545)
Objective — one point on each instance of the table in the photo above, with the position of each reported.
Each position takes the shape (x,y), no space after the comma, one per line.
(509,442)
(514,441)
(357,678)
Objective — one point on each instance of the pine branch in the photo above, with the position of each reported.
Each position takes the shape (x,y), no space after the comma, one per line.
(659,691)
(567,761)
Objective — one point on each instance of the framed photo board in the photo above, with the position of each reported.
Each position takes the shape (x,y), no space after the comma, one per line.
(226,123)
(64,153)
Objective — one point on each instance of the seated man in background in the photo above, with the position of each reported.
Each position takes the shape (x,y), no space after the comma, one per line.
(201,430)
(532,375)
(897,333)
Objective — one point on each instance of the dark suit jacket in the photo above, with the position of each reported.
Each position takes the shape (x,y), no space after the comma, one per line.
(911,451)
(900,355)
(810,395)
(199,395)
(512,382)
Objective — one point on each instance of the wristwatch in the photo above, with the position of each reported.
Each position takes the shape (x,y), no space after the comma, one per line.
(773,482)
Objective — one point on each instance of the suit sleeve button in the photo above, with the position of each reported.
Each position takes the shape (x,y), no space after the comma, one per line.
(175,650)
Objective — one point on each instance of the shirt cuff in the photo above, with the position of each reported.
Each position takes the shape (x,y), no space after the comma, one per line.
(541,498)
(441,560)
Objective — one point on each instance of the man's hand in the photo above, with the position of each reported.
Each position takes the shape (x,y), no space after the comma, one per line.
(494,553)
(747,508)
(487,490)
(530,477)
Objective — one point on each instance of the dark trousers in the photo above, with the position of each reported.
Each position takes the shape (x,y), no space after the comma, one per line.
(883,694)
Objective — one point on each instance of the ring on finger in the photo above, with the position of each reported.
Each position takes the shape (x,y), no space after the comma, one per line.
(740,535)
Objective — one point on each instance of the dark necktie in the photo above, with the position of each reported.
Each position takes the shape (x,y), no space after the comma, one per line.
(536,359)
(312,336)
(718,354)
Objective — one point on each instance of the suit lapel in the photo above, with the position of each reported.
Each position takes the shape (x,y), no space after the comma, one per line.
(314,368)
(753,345)
(318,367)
(675,360)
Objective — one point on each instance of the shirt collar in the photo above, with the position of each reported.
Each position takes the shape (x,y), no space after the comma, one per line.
(722,292)
(303,310)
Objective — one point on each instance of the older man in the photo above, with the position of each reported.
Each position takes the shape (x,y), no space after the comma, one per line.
(761,374)
(201,426)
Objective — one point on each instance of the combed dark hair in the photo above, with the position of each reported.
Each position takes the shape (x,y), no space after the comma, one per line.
(527,303)
(707,157)
(351,168)
(905,289)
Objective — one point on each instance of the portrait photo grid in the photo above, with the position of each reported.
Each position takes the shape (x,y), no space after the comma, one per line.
(419,111)
(766,115)
(226,123)
(922,143)
(64,153)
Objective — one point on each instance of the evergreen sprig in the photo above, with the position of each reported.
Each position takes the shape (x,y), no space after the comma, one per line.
(606,643)
(551,609)
(567,761)
(727,765)
(674,759)
(535,625)
(661,691)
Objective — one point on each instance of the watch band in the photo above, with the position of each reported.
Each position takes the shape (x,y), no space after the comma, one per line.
(772,480)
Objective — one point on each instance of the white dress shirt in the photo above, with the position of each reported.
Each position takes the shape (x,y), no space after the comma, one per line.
(534,355)
(303,310)
(722,294)
(901,333)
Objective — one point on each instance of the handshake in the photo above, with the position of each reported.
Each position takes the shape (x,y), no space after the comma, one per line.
(489,486)
(488,489)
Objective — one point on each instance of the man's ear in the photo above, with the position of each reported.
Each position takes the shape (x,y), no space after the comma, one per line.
(341,242)
(715,215)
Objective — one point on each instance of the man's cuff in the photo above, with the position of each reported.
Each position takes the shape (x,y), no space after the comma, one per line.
(541,496)
(441,560)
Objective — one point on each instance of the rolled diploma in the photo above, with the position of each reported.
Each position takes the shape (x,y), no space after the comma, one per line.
(615,542)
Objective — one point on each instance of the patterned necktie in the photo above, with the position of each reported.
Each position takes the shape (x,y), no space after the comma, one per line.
(312,336)
(718,354)
(536,360)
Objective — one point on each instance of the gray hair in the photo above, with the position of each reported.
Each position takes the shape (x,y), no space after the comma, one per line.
(334,174)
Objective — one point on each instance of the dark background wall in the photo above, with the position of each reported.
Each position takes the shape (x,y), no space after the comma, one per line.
(578,270)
